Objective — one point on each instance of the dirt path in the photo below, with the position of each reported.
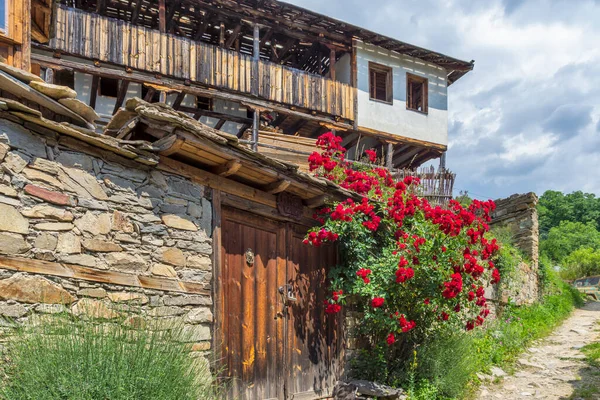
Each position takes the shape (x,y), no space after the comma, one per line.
(553,368)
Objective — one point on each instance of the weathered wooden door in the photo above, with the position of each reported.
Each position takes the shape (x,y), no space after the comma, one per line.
(275,341)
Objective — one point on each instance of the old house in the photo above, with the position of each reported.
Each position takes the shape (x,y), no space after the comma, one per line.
(156,153)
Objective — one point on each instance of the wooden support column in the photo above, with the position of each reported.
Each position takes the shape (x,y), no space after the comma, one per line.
(94,91)
(443,162)
(162,16)
(389,156)
(332,64)
(255,126)
(222,35)
(255,59)
(123,86)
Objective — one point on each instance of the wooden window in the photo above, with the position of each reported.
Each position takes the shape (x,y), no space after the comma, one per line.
(417,93)
(4,16)
(380,83)
(109,87)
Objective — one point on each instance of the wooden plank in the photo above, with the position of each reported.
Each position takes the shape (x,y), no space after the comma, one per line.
(277,186)
(96,275)
(218,275)
(227,169)
(122,92)
(94,91)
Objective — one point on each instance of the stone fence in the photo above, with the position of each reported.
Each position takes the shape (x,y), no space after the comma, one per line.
(518,214)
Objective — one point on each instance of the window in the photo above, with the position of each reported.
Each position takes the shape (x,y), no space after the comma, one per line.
(108,87)
(4,16)
(416,93)
(380,83)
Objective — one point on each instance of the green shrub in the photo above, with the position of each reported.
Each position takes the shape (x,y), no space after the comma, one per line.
(63,358)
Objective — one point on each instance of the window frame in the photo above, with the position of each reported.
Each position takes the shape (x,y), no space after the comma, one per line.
(389,82)
(4,30)
(412,78)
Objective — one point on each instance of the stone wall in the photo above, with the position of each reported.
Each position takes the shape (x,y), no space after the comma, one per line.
(518,214)
(83,229)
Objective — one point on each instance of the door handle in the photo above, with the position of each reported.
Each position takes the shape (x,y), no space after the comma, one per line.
(287,293)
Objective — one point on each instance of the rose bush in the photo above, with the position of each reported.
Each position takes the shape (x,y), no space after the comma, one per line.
(407,266)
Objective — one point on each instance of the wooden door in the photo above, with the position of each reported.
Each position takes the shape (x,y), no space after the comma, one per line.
(314,339)
(252,332)
(275,340)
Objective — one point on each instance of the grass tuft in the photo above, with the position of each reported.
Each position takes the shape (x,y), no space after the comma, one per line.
(64,358)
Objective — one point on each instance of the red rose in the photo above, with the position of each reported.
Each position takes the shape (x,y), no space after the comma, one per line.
(377,302)
(391,339)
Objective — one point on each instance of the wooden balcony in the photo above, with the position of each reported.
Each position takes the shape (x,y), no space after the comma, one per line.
(118,42)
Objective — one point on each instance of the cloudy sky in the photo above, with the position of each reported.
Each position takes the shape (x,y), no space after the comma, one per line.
(528,117)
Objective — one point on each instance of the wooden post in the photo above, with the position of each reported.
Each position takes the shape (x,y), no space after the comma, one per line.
(255,126)
(255,59)
(443,162)
(389,156)
(162,16)
(222,35)
(354,81)
(332,63)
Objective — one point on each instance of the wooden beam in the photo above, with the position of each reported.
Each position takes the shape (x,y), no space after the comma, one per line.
(292,130)
(234,35)
(73,271)
(94,91)
(389,156)
(136,12)
(242,130)
(266,38)
(255,60)
(278,55)
(317,201)
(142,78)
(277,186)
(222,35)
(255,128)
(100,6)
(203,27)
(220,124)
(332,64)
(149,94)
(178,100)
(213,114)
(123,86)
(162,17)
(176,4)
(227,169)
(407,156)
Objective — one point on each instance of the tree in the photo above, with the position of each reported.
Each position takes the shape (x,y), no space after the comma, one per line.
(569,236)
(578,206)
(582,262)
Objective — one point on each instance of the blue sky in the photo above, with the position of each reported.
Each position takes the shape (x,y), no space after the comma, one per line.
(528,117)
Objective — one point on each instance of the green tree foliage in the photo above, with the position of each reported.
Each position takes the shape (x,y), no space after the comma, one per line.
(569,236)
(578,206)
(584,261)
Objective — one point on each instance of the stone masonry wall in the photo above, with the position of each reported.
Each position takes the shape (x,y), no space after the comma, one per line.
(518,214)
(89,230)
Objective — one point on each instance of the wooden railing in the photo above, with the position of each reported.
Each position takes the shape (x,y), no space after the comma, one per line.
(110,40)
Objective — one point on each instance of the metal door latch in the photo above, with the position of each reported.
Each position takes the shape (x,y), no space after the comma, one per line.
(287,292)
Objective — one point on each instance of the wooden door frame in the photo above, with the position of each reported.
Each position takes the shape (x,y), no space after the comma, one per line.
(219,201)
